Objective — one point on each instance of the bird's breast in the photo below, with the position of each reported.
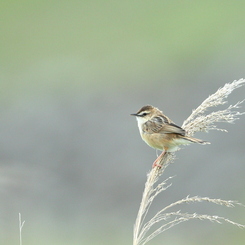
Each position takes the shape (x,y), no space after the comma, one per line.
(154,141)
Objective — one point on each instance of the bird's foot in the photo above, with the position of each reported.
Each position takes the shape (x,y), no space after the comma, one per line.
(155,164)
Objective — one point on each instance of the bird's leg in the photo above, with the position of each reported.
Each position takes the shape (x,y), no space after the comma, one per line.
(158,158)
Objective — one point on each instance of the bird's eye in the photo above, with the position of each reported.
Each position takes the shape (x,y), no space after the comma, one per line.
(144,114)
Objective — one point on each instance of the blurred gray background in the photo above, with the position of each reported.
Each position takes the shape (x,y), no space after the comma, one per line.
(71,158)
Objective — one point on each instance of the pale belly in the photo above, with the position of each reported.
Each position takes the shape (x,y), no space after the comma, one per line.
(168,142)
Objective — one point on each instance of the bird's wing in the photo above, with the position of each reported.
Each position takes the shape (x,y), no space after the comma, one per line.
(162,125)
(172,128)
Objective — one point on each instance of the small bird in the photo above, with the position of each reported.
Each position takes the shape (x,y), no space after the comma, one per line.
(159,132)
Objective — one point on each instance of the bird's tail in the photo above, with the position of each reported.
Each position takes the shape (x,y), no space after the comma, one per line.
(194,140)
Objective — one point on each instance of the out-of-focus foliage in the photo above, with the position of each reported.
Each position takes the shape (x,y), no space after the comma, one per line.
(63,44)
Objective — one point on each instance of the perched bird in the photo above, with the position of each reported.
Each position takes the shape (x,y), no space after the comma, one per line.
(159,132)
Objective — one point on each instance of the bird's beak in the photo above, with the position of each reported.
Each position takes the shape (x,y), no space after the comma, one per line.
(134,114)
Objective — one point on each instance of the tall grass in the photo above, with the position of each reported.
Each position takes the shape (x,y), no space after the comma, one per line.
(199,120)
(21,224)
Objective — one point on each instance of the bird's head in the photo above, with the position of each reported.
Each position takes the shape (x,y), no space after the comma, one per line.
(146,113)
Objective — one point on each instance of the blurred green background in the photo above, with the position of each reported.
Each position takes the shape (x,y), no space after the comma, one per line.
(71,158)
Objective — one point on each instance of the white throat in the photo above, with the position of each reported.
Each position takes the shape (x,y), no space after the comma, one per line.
(140,121)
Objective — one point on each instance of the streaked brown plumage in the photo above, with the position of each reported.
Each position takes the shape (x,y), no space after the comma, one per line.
(159,132)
